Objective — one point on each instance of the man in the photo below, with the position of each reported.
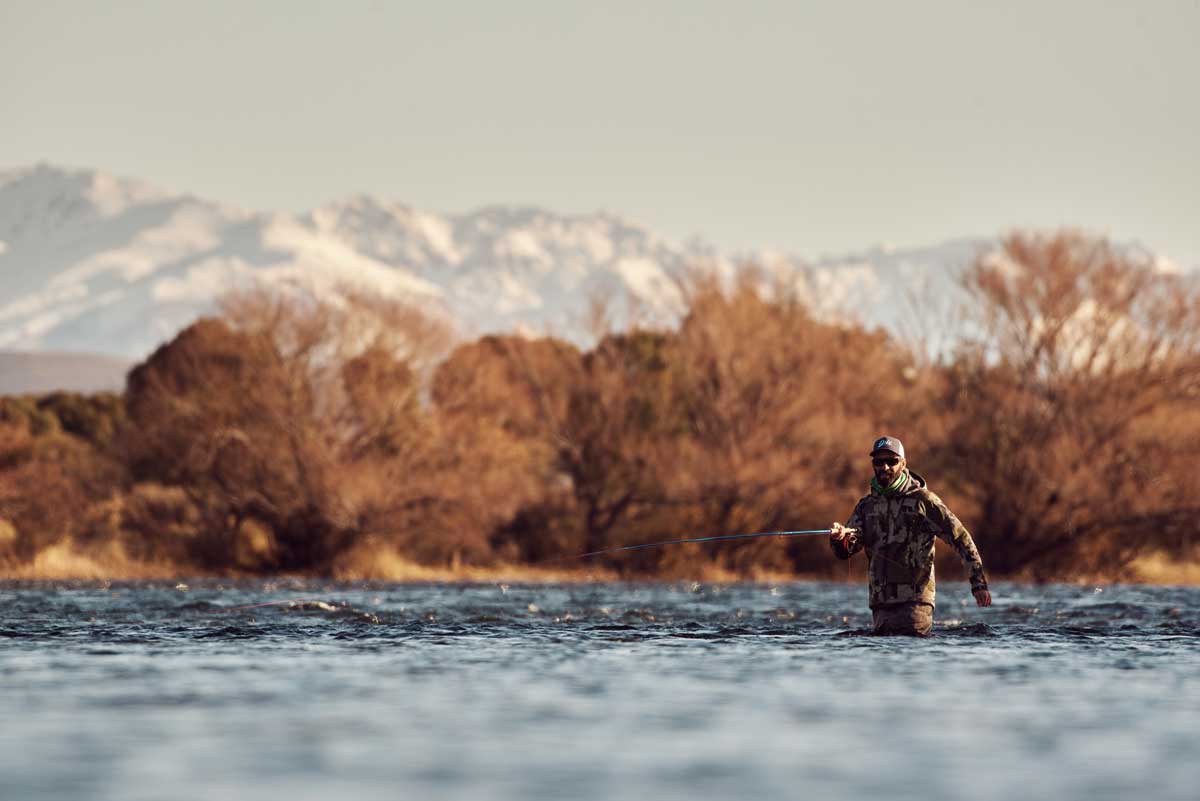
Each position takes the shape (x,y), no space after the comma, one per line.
(896,524)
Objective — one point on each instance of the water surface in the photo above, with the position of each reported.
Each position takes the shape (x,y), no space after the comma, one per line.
(603,691)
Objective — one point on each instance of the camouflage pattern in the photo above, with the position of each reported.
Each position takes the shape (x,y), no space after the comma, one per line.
(897,530)
(914,619)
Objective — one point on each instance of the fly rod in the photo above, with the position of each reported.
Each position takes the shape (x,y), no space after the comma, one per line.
(717,538)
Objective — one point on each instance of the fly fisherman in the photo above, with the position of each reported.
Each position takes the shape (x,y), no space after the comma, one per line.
(896,524)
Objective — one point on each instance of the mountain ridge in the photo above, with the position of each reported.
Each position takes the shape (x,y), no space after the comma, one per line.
(97,263)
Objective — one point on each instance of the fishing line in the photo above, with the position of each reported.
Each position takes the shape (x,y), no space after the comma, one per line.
(623,548)
(720,538)
(717,538)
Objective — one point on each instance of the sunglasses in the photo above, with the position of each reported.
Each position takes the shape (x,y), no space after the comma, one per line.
(890,461)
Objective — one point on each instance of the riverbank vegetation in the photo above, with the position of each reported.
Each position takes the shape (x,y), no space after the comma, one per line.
(354,438)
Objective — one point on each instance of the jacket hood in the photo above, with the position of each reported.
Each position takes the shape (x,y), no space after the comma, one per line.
(915,484)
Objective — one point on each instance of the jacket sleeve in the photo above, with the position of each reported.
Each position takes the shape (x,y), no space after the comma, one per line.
(951,530)
(855,522)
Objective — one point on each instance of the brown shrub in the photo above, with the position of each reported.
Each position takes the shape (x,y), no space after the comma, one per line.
(257,415)
(1075,412)
(772,403)
(47,483)
(738,422)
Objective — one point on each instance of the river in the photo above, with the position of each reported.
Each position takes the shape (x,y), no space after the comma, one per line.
(592,691)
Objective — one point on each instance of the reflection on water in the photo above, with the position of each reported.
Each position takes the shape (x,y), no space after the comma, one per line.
(592,692)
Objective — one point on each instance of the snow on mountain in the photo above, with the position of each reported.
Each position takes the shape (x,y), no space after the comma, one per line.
(92,262)
(503,267)
(96,263)
(913,293)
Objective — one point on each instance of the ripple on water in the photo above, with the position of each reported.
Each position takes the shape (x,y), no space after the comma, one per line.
(235,689)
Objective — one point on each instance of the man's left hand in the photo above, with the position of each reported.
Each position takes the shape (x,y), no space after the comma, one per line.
(982,597)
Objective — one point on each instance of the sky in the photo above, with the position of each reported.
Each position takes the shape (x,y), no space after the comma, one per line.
(814,127)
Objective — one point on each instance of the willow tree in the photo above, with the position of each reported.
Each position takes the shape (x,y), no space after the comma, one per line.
(777,408)
(299,418)
(1076,404)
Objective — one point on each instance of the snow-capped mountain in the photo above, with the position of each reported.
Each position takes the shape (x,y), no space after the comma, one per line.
(91,262)
(502,268)
(95,263)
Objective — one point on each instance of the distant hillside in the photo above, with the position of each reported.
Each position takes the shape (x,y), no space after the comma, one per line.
(24,373)
(93,262)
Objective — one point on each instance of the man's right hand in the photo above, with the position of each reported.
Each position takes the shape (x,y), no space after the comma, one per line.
(837,532)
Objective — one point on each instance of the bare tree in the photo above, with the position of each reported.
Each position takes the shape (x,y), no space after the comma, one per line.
(1074,426)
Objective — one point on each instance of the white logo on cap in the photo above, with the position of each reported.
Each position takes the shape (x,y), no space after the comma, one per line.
(881,442)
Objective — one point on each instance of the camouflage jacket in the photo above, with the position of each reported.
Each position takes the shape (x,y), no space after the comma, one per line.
(897,533)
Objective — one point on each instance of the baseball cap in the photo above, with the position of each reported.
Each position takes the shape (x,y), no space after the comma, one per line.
(888,444)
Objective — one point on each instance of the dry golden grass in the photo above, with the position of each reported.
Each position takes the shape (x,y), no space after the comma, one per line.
(381,563)
(1159,568)
(64,561)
